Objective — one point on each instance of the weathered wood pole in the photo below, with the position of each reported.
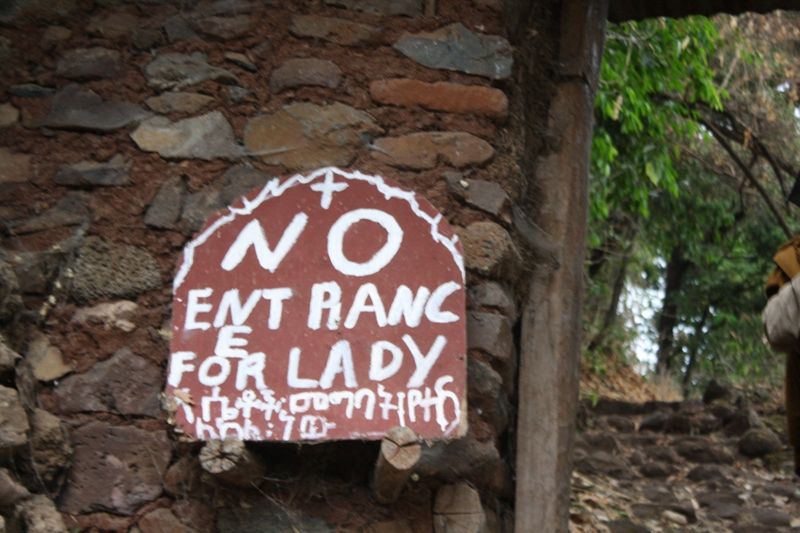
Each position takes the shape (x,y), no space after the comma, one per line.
(458,509)
(399,454)
(550,344)
(230,461)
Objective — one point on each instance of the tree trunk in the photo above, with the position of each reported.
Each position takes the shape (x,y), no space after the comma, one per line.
(551,325)
(698,330)
(677,267)
(616,293)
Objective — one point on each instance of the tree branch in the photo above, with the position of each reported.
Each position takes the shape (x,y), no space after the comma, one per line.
(720,137)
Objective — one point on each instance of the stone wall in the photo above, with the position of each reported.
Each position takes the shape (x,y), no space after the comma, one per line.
(123,126)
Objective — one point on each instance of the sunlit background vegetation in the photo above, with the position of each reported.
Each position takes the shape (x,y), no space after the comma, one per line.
(695,151)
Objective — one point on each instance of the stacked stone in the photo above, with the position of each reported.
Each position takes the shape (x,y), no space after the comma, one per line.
(123,127)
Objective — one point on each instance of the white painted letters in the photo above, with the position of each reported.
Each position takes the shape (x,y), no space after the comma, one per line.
(204,374)
(340,360)
(253,235)
(276,298)
(194,308)
(424,362)
(251,366)
(326,295)
(377,370)
(433,309)
(178,365)
(232,304)
(368,290)
(227,344)
(407,306)
(292,378)
(381,258)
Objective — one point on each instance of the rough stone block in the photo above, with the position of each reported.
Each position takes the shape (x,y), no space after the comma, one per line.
(489,250)
(305,71)
(207,137)
(494,295)
(13,423)
(485,195)
(72,209)
(409,8)
(306,136)
(178,71)
(49,444)
(109,387)
(113,173)
(14,167)
(490,333)
(334,30)
(162,521)
(454,47)
(165,209)
(77,109)
(83,64)
(420,151)
(40,515)
(114,469)
(112,270)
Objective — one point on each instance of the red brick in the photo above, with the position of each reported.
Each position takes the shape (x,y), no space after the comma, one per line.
(441,96)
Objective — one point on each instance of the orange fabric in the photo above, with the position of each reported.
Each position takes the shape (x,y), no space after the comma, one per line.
(788,260)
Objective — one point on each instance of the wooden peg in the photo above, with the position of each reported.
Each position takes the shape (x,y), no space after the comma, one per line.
(399,454)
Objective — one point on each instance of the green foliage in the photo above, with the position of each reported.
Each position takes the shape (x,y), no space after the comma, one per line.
(644,63)
(657,171)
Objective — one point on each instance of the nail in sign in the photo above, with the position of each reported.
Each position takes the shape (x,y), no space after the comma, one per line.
(323,306)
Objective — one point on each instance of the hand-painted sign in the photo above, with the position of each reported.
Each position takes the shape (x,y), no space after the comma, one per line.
(323,306)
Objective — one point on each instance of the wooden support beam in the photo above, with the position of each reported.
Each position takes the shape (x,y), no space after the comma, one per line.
(550,343)
(458,509)
(230,461)
(399,454)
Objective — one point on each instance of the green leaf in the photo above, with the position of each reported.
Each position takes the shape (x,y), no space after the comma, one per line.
(650,170)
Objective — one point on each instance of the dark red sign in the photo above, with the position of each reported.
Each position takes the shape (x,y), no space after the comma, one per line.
(324,306)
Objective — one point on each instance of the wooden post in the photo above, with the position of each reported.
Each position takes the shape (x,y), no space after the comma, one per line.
(231,462)
(458,509)
(399,454)
(550,337)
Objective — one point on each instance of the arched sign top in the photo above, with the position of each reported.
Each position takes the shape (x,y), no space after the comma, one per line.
(329,305)
(327,188)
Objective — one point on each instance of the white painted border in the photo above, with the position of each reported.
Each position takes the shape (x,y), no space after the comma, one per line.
(275,188)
